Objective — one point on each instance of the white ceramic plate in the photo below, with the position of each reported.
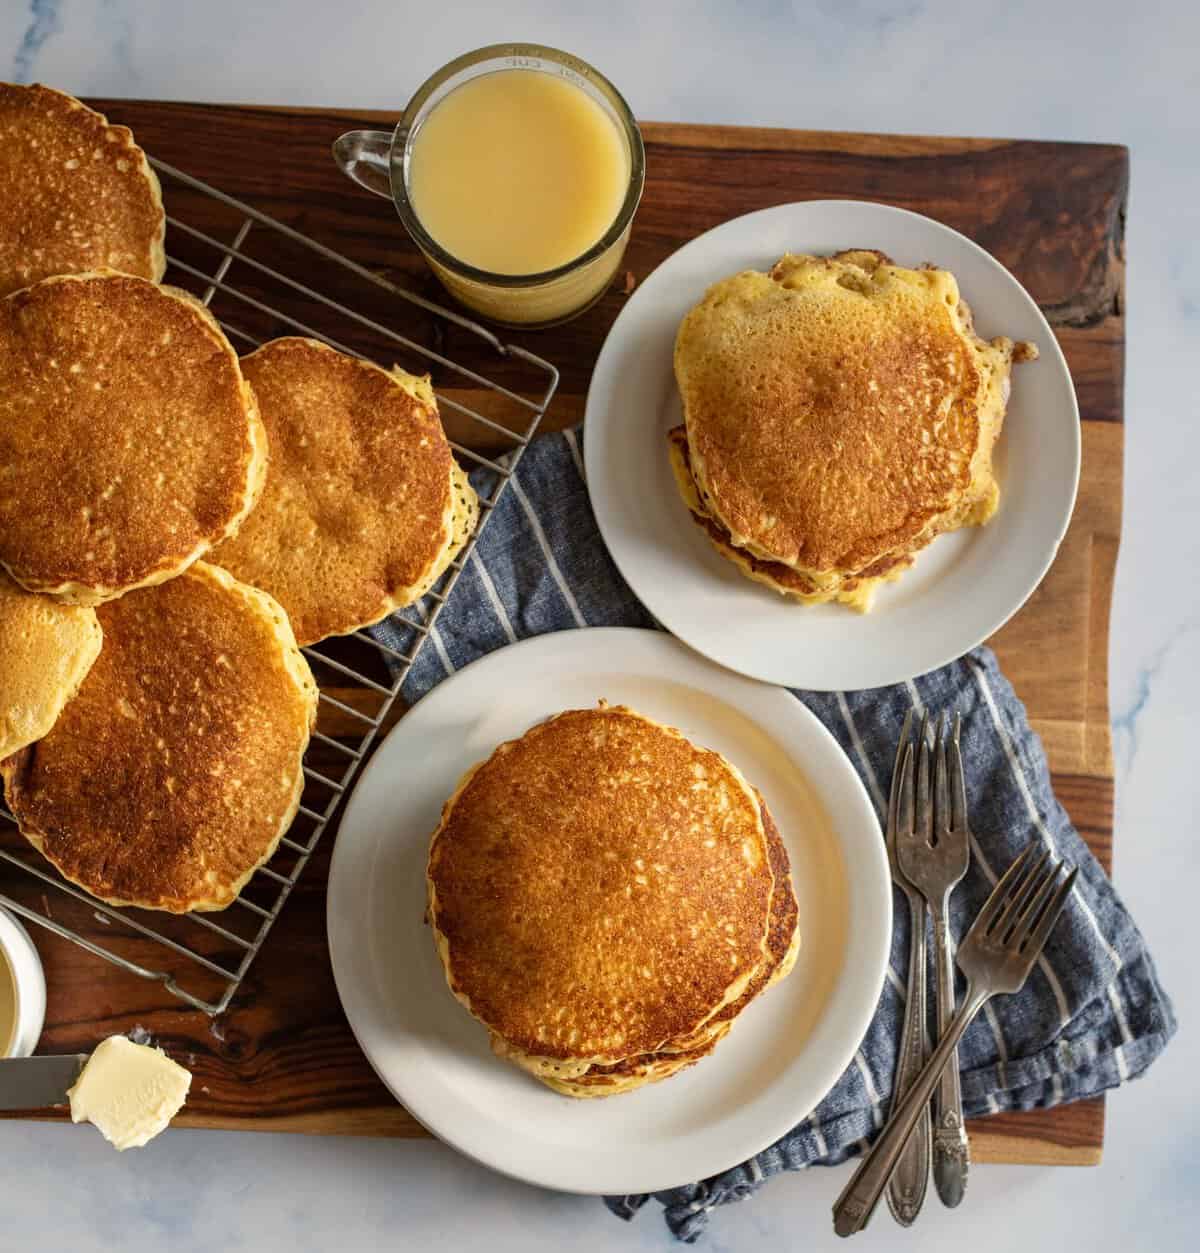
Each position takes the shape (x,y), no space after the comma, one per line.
(963,587)
(785,1051)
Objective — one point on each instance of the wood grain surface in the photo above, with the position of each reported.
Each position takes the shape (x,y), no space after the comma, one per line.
(283,1057)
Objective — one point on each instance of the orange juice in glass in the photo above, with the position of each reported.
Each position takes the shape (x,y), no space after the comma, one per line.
(517,170)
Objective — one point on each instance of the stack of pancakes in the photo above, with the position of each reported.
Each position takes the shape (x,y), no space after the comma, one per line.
(839,414)
(171,520)
(606,898)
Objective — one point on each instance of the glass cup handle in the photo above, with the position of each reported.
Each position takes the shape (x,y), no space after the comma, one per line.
(365,157)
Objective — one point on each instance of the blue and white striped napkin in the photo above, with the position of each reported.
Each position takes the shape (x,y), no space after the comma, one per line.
(1092,1014)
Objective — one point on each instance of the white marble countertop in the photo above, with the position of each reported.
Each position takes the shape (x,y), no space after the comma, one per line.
(1112,71)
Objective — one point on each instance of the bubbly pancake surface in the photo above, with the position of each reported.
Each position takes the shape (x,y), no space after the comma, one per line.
(364,505)
(783,945)
(839,410)
(76,193)
(46,650)
(172,774)
(599,888)
(129,441)
(855,590)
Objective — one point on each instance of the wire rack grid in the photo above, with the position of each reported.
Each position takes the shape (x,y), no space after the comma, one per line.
(198,959)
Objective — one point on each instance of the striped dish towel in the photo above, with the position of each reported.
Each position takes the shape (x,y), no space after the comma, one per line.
(1091,1016)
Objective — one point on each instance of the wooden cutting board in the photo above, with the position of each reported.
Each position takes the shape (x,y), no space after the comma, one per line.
(283,1058)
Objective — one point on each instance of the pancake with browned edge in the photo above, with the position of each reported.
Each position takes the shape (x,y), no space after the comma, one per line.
(627,1075)
(76,193)
(172,775)
(130,444)
(364,505)
(600,890)
(46,650)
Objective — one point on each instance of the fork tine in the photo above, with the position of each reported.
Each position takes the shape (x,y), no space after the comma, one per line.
(904,802)
(958,786)
(1018,898)
(1022,923)
(1033,944)
(943,823)
(1002,891)
(901,743)
(924,819)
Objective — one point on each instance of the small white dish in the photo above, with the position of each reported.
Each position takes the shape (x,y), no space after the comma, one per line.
(964,586)
(20,963)
(785,1051)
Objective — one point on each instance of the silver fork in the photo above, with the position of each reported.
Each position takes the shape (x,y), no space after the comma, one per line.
(906,1190)
(996,956)
(934,857)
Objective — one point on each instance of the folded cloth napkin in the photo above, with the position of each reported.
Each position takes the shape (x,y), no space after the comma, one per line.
(1091,1016)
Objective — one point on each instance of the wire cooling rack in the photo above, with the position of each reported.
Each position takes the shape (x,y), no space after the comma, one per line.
(492,396)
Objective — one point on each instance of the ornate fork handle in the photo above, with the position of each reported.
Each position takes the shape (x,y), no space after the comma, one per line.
(860,1196)
(951,1153)
(906,1188)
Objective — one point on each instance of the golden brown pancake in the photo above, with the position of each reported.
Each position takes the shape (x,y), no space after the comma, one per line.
(599,889)
(171,776)
(364,505)
(46,650)
(77,194)
(840,411)
(129,440)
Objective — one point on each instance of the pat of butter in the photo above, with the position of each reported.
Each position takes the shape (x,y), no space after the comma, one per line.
(129,1091)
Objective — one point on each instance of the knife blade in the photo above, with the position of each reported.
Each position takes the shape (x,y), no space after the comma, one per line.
(38,1082)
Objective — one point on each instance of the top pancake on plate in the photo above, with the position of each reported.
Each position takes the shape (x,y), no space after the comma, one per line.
(129,441)
(46,650)
(840,409)
(599,888)
(175,770)
(76,194)
(364,505)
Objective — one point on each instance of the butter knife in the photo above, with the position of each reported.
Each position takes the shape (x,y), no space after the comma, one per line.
(38,1082)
